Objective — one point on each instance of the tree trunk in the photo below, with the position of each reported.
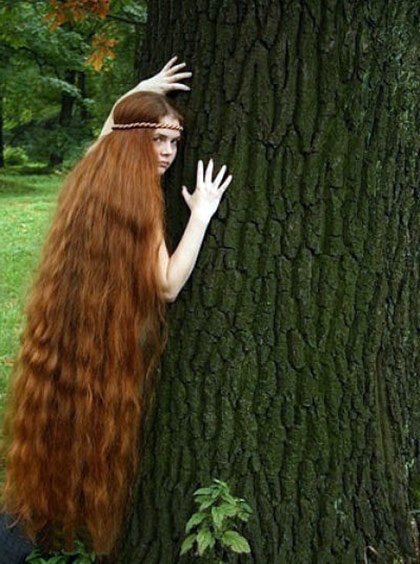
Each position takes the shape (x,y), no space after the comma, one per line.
(138,46)
(290,368)
(84,113)
(64,120)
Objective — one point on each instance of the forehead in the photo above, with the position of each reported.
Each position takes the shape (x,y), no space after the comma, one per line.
(171,133)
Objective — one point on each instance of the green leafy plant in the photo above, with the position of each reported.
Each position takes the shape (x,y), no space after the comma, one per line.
(15,156)
(211,530)
(79,555)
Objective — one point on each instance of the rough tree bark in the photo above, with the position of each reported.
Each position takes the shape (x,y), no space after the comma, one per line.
(290,368)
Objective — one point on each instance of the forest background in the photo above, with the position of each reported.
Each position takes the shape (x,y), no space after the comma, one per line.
(62,68)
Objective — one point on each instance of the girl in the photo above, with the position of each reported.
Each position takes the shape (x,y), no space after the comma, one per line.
(94,324)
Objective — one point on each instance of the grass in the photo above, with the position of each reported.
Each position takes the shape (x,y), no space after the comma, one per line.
(26,206)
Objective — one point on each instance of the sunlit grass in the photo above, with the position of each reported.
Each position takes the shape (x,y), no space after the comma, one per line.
(26,206)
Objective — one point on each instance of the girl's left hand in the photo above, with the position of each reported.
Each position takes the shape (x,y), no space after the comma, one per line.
(168,79)
(205,199)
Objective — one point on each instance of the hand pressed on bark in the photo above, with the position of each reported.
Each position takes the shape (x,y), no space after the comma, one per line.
(205,199)
(166,80)
(203,203)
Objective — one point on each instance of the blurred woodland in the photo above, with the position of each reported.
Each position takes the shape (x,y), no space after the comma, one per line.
(63,64)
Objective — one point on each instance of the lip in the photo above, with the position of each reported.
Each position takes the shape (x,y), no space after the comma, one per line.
(163,163)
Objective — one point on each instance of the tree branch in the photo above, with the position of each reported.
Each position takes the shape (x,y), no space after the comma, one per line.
(125,20)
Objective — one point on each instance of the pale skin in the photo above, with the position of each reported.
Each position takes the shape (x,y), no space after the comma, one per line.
(203,202)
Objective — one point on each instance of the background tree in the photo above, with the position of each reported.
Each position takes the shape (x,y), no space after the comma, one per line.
(290,370)
(58,73)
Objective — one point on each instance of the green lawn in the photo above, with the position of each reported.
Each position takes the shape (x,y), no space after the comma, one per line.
(26,206)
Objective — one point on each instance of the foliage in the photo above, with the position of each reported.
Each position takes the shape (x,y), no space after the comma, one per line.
(214,525)
(80,555)
(103,42)
(15,156)
(86,63)
(103,49)
(75,10)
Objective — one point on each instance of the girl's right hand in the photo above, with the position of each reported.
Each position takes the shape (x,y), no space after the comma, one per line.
(170,78)
(205,199)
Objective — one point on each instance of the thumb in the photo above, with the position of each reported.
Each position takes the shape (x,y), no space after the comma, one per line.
(186,194)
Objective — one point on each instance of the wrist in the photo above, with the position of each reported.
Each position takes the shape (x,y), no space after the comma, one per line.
(201,216)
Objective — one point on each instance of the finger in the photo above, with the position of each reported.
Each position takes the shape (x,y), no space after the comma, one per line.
(170,63)
(219,177)
(200,173)
(209,171)
(177,68)
(178,86)
(225,184)
(180,76)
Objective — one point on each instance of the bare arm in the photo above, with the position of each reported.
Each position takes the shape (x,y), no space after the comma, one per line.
(176,270)
(203,203)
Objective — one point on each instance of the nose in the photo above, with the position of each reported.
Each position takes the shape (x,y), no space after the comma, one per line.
(167,148)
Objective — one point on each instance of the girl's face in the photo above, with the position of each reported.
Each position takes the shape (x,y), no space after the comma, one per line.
(165,142)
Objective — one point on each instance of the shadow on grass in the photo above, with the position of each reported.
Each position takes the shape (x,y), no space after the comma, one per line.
(14,184)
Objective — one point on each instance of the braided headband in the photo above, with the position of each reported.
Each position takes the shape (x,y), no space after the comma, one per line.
(147,124)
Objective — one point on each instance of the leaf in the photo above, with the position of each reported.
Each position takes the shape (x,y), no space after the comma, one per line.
(58,559)
(217,516)
(83,560)
(206,504)
(203,491)
(201,499)
(75,10)
(243,516)
(228,509)
(102,49)
(220,483)
(228,498)
(34,556)
(188,543)
(205,540)
(245,506)
(236,542)
(195,520)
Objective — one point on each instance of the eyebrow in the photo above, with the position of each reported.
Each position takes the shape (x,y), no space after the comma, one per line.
(167,137)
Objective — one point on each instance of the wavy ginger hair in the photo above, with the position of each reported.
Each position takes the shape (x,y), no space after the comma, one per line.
(94,314)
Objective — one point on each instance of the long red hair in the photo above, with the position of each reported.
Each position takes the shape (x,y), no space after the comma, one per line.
(93,329)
